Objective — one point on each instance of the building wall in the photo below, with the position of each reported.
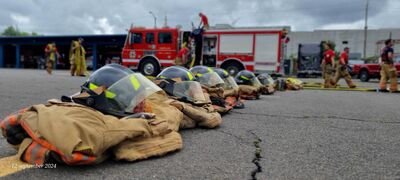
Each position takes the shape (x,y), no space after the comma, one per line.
(355,39)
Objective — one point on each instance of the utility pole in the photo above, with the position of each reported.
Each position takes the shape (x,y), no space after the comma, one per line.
(155,19)
(165,21)
(366,29)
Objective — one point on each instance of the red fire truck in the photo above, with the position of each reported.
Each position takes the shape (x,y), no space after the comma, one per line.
(258,49)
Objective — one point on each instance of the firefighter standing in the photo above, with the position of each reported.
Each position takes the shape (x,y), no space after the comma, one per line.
(77,58)
(204,22)
(182,59)
(388,71)
(328,65)
(341,69)
(51,56)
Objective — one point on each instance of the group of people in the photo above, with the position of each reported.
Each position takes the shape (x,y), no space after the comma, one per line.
(77,58)
(333,71)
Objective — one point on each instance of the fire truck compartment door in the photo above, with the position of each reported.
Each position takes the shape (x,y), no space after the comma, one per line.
(266,52)
(236,44)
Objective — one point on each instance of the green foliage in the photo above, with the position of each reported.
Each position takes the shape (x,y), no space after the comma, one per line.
(11,31)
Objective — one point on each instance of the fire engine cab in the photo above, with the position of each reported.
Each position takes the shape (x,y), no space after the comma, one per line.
(258,49)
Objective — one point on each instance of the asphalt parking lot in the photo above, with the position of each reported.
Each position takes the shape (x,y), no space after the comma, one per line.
(308,134)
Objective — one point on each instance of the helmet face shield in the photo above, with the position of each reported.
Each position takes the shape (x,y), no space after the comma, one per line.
(131,90)
(176,72)
(255,82)
(267,80)
(230,83)
(190,91)
(211,79)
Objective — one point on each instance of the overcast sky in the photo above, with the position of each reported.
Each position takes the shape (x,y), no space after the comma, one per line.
(52,17)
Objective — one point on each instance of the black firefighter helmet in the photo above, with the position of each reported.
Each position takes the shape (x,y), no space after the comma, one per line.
(207,76)
(179,82)
(245,77)
(176,72)
(266,79)
(221,72)
(229,81)
(115,90)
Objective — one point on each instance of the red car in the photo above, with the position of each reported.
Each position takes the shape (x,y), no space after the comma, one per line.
(365,72)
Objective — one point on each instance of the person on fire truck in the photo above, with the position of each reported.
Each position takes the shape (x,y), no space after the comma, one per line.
(204,22)
(182,59)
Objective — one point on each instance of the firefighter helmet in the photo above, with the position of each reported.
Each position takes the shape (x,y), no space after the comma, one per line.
(176,72)
(221,72)
(179,82)
(207,76)
(245,77)
(266,79)
(229,81)
(115,90)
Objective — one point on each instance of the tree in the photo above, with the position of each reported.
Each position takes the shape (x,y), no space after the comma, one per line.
(11,31)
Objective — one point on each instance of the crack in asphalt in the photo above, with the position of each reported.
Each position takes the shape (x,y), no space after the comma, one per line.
(241,140)
(320,117)
(257,156)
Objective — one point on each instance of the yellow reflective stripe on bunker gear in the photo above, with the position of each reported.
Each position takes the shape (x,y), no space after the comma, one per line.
(225,72)
(190,75)
(210,70)
(135,82)
(244,77)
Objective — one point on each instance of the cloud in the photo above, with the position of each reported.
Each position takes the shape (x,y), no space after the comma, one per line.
(105,26)
(20,19)
(106,16)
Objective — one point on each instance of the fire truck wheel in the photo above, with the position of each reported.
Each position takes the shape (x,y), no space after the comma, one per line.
(149,67)
(232,67)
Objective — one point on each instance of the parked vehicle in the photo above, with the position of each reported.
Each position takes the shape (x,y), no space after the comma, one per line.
(257,50)
(309,60)
(365,72)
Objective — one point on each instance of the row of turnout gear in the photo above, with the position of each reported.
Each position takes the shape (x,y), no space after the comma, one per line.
(249,85)
(117,111)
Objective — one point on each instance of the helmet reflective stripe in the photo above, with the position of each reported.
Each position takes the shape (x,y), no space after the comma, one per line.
(135,83)
(190,75)
(199,75)
(226,73)
(109,94)
(210,70)
(245,78)
(92,86)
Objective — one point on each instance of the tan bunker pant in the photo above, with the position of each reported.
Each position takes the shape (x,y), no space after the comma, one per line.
(342,72)
(388,71)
